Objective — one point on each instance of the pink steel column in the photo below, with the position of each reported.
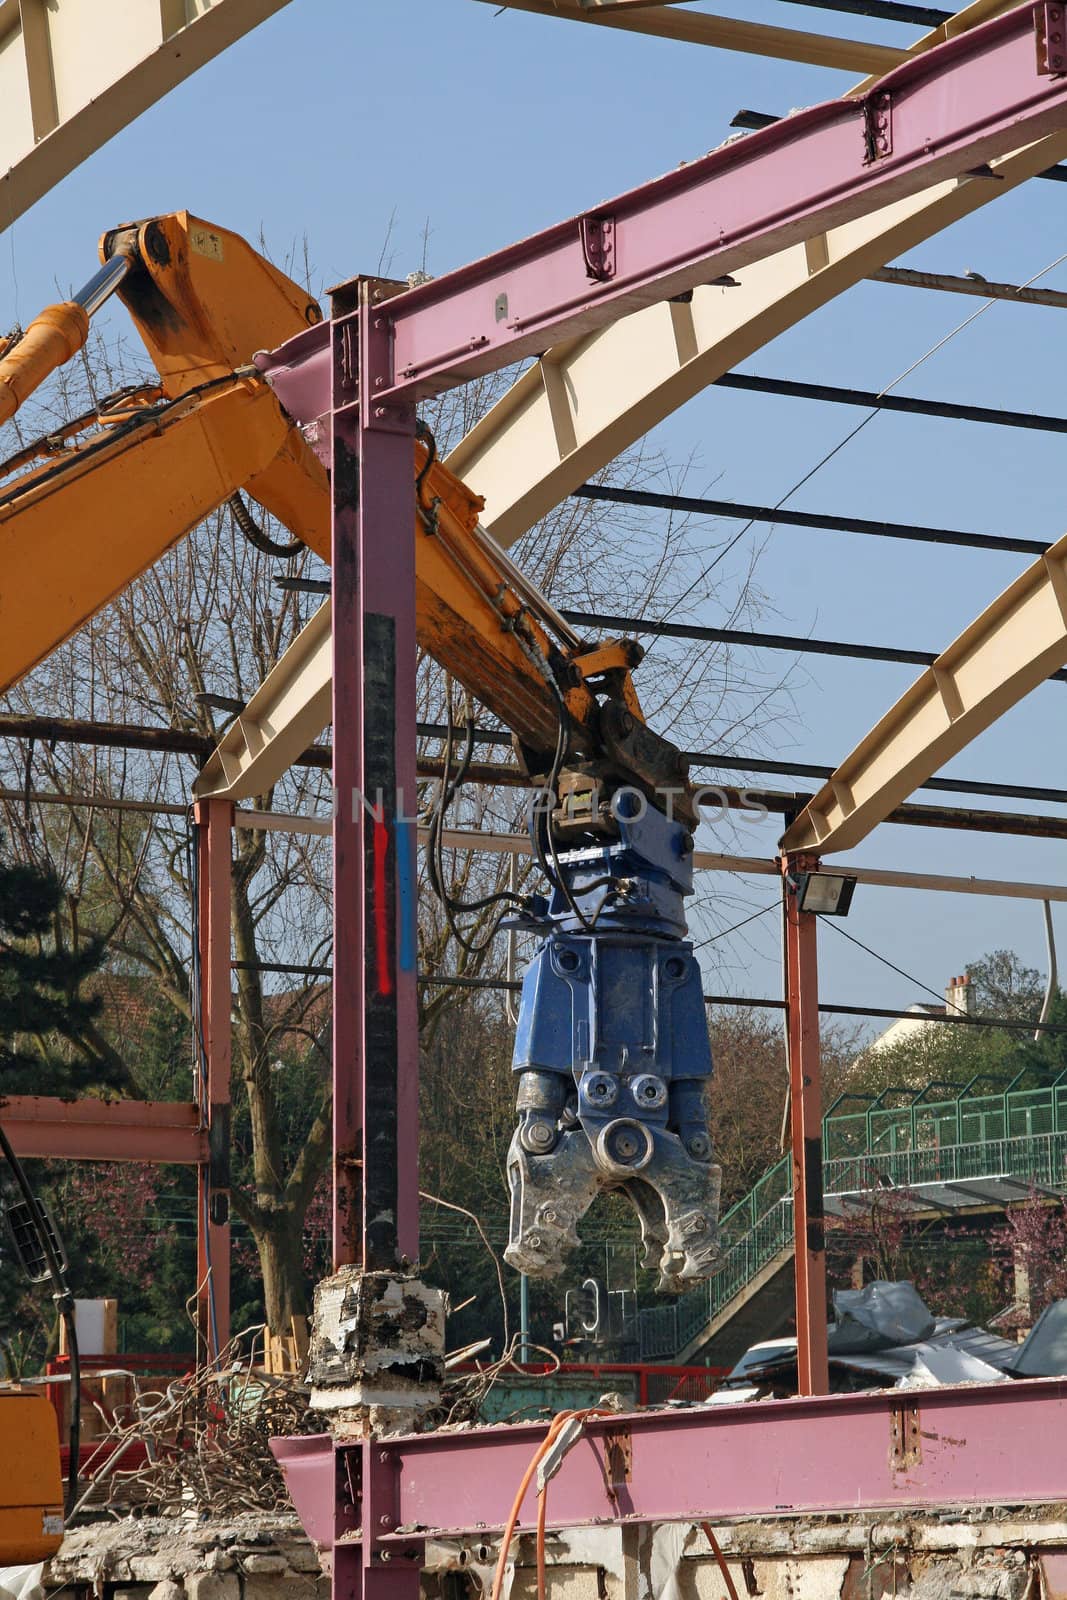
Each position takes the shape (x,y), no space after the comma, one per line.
(214,822)
(805,1117)
(375,1002)
(375,1016)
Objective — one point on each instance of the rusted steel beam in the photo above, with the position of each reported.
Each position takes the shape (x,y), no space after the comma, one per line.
(213,843)
(127,736)
(805,1122)
(155,1131)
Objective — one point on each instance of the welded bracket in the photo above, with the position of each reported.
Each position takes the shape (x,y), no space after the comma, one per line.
(598,246)
(877,128)
(905,1439)
(366,357)
(1050,34)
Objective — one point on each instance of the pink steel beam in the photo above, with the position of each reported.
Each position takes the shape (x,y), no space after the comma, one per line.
(939,115)
(995,1444)
(104,1130)
(375,1004)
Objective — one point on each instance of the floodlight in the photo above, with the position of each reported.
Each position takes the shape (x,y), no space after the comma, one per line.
(829,894)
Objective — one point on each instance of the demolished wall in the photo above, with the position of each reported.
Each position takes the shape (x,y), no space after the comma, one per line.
(953,1555)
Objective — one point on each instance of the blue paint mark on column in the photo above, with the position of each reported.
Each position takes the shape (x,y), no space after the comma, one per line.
(405,877)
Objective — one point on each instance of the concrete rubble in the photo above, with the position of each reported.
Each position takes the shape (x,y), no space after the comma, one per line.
(377,1349)
(251,1557)
(957,1555)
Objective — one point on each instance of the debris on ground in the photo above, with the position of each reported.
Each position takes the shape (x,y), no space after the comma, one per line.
(1043,1353)
(217,1558)
(883,1336)
(202,1444)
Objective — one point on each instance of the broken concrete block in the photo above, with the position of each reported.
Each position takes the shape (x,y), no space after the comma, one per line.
(992,1583)
(167,1590)
(151,1569)
(293,1586)
(377,1339)
(301,1557)
(213,1586)
(265,1564)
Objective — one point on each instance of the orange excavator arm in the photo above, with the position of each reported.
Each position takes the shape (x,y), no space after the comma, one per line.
(86,511)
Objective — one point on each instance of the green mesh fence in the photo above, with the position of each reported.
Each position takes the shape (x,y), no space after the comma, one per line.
(1015,1132)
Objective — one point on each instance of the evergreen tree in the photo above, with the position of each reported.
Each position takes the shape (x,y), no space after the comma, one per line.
(44,1017)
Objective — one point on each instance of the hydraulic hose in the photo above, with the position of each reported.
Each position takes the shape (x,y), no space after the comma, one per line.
(64,1305)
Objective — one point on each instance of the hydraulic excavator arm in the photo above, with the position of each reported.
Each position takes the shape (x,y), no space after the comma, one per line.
(84,511)
(612,1050)
(87,509)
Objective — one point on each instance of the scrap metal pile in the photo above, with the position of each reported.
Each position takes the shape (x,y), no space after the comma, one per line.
(884,1336)
(202,1443)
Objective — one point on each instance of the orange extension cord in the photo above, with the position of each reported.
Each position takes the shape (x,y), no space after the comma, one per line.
(540,1453)
(554,1429)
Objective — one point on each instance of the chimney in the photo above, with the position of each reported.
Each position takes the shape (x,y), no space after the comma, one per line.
(959,996)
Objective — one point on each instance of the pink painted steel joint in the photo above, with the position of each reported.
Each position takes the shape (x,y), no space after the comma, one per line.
(940,115)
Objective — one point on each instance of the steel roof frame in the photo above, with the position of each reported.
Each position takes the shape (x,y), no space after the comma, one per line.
(875,147)
(689,26)
(617,382)
(69,81)
(355,382)
(943,114)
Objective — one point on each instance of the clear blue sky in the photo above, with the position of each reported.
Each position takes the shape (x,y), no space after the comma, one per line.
(334,117)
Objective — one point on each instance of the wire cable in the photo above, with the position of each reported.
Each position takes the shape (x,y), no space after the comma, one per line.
(875,411)
(192,856)
(64,1302)
(448,788)
(543,822)
(716,1551)
(513,1516)
(713,938)
(886,962)
(555,1428)
(255,535)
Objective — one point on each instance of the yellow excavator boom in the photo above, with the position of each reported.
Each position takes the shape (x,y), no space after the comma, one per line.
(85,512)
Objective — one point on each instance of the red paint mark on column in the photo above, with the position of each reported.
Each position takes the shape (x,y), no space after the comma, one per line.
(381,909)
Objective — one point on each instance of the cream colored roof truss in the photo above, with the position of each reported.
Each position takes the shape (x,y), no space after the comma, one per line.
(74,72)
(690,26)
(1017,642)
(574,410)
